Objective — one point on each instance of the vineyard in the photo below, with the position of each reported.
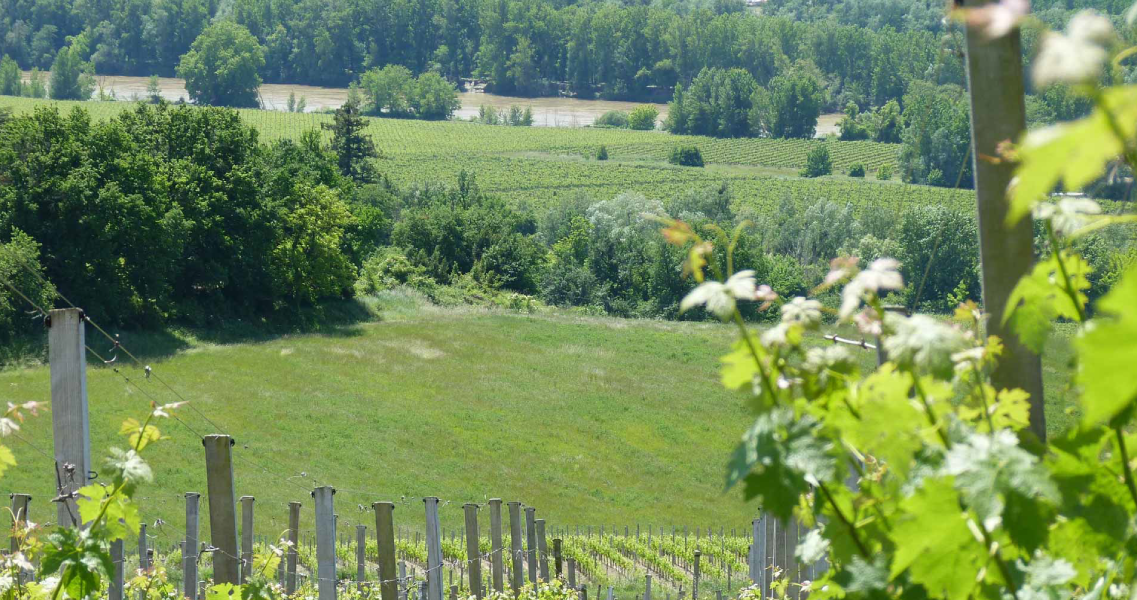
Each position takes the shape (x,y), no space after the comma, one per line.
(540,164)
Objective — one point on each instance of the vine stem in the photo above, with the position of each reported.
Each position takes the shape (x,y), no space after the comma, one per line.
(1125,464)
(849,524)
(766,383)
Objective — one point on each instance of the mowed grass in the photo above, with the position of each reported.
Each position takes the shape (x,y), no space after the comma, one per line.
(590,420)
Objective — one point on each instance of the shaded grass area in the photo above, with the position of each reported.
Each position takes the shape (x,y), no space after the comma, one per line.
(591,420)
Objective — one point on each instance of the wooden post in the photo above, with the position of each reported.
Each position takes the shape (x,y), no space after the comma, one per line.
(515,546)
(496,560)
(473,553)
(572,572)
(360,555)
(19,516)
(531,542)
(222,508)
(433,550)
(385,545)
(118,557)
(67,355)
(143,548)
(647,586)
(769,552)
(998,114)
(542,550)
(294,538)
(557,556)
(189,554)
(325,542)
(453,592)
(695,579)
(246,537)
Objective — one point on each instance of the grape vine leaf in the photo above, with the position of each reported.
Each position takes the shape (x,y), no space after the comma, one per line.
(934,544)
(738,367)
(778,457)
(1107,352)
(78,558)
(894,439)
(988,469)
(1039,298)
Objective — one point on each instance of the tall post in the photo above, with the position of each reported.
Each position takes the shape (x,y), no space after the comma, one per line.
(695,579)
(118,558)
(143,548)
(360,555)
(572,573)
(557,542)
(246,536)
(325,542)
(756,554)
(189,554)
(19,516)
(222,508)
(433,550)
(647,586)
(769,553)
(294,540)
(531,542)
(473,553)
(497,563)
(542,550)
(385,545)
(67,355)
(998,114)
(515,547)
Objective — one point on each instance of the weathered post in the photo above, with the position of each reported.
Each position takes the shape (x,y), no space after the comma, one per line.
(294,539)
(572,572)
(222,508)
(496,560)
(67,355)
(360,555)
(557,542)
(768,553)
(143,548)
(647,586)
(542,550)
(19,516)
(246,537)
(998,114)
(189,554)
(531,542)
(433,550)
(118,557)
(515,546)
(473,553)
(325,542)
(385,546)
(695,579)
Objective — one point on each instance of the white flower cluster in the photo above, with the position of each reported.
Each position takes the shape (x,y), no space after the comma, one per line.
(720,298)
(1077,55)
(1068,215)
(882,275)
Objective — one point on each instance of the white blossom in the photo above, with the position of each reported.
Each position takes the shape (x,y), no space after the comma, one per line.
(8,426)
(719,298)
(1068,215)
(1076,56)
(882,274)
(801,311)
(923,343)
(997,19)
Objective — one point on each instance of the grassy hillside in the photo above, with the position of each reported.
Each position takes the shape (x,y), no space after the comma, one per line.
(591,420)
(538,165)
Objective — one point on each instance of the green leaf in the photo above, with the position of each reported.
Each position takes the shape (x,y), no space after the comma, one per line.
(1107,354)
(895,439)
(90,501)
(934,543)
(778,457)
(1040,298)
(989,468)
(738,368)
(223,591)
(7,459)
(1011,410)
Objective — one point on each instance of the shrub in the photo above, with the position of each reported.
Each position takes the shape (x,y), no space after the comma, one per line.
(16,257)
(388,268)
(818,164)
(602,153)
(612,118)
(643,118)
(686,156)
(884,173)
(857,170)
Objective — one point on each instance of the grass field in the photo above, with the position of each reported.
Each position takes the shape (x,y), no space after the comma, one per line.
(540,164)
(591,420)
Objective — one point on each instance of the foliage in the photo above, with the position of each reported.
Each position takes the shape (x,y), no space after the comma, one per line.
(795,101)
(686,156)
(221,68)
(354,149)
(394,91)
(884,173)
(643,118)
(71,77)
(612,118)
(857,170)
(818,163)
(17,256)
(602,153)
(717,103)
(936,136)
(11,83)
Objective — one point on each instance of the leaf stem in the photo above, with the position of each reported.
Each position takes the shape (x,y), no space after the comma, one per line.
(1067,285)
(1125,464)
(766,383)
(849,524)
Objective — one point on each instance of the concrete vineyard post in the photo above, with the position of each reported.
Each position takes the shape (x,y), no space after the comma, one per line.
(557,556)
(294,539)
(67,356)
(433,550)
(118,557)
(531,542)
(769,551)
(515,546)
(695,579)
(542,550)
(998,113)
(385,546)
(19,516)
(189,555)
(572,572)
(647,585)
(222,508)
(496,559)
(360,555)
(325,542)
(246,537)
(473,553)
(143,548)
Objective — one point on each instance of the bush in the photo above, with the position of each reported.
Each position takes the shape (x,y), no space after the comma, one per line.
(602,153)
(884,173)
(857,170)
(818,164)
(643,118)
(686,156)
(613,118)
(389,268)
(16,257)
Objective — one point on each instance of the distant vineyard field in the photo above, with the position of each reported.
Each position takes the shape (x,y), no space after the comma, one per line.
(541,164)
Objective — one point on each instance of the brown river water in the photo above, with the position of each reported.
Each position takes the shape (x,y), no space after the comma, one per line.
(547,112)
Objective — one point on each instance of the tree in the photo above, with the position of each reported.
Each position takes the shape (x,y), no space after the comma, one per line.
(308,262)
(10,82)
(154,89)
(643,117)
(388,90)
(718,103)
(937,136)
(71,77)
(222,65)
(889,124)
(434,97)
(795,104)
(817,162)
(354,149)
(686,156)
(852,125)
